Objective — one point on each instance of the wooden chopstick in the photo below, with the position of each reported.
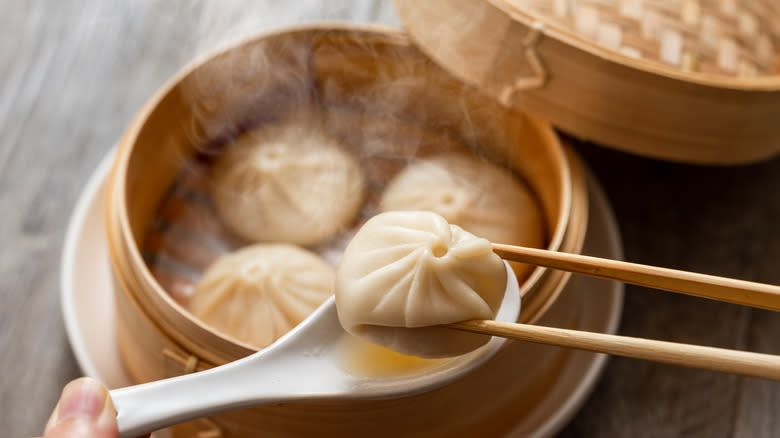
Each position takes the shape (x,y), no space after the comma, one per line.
(747,293)
(697,356)
(709,358)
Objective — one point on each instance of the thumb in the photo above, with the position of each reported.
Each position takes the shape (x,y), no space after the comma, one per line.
(85,410)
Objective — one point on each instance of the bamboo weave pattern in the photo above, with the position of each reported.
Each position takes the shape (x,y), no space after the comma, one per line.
(724,37)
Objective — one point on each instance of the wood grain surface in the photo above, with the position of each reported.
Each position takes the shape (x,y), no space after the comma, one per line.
(73,73)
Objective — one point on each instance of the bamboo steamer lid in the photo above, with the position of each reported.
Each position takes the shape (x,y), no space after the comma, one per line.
(693,81)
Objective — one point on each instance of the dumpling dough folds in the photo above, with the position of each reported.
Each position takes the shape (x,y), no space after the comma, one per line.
(477,195)
(260,292)
(406,271)
(289,182)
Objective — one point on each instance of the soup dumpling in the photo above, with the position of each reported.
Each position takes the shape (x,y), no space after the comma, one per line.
(289,182)
(258,293)
(404,272)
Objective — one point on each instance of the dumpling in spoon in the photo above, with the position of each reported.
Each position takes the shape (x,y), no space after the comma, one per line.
(405,272)
(260,292)
(289,182)
(479,196)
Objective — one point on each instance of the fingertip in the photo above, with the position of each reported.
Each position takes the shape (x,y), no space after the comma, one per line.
(84,399)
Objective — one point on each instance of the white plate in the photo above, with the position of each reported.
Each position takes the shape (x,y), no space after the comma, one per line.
(88,306)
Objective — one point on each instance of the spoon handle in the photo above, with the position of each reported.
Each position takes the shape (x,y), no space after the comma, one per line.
(151,406)
(746,363)
(730,290)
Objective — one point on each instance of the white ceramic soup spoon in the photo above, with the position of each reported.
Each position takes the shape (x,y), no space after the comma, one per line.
(302,365)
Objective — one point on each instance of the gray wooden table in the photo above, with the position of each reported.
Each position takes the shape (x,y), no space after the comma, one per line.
(73,72)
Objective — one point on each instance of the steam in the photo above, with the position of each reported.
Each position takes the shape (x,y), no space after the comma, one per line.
(375,93)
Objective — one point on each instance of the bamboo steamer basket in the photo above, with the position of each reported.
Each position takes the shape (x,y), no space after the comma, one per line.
(338,66)
(694,81)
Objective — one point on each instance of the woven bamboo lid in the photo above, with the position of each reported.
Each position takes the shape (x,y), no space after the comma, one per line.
(685,80)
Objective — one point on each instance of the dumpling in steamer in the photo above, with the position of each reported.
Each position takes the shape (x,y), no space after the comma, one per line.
(477,195)
(406,271)
(258,293)
(288,182)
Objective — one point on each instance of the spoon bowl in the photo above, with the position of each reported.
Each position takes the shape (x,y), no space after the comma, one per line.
(302,365)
